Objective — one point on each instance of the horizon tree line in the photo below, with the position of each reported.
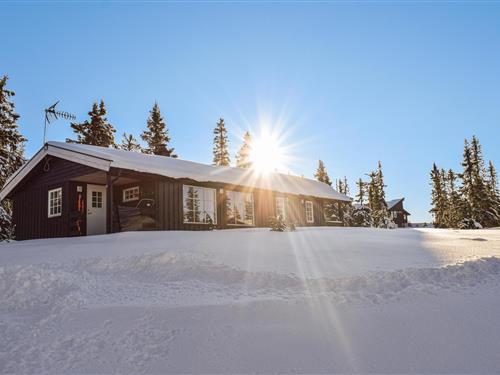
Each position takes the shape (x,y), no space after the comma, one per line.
(466,199)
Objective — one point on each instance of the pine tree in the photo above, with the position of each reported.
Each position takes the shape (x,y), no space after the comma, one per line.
(97,132)
(321,173)
(129,143)
(243,155)
(11,140)
(156,135)
(221,144)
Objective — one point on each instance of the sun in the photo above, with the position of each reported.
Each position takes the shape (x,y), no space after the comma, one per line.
(267,153)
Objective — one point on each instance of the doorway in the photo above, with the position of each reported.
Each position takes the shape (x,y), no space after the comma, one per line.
(96,209)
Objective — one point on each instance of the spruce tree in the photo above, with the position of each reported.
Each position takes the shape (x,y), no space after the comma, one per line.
(480,208)
(484,208)
(156,135)
(447,214)
(493,181)
(11,140)
(129,143)
(439,198)
(376,197)
(346,187)
(360,197)
(455,205)
(243,155)
(11,153)
(361,217)
(345,210)
(493,192)
(467,177)
(221,145)
(97,131)
(321,173)
(339,185)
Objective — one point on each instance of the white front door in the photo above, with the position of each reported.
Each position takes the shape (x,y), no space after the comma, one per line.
(96,209)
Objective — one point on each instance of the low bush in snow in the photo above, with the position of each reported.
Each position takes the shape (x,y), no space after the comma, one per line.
(6,226)
(469,224)
(278,224)
(361,216)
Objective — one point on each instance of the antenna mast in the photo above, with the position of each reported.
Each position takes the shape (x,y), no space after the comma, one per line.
(51,114)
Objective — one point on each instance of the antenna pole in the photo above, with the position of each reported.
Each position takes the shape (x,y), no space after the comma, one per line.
(45,132)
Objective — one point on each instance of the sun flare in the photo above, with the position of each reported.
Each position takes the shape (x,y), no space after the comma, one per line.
(266,153)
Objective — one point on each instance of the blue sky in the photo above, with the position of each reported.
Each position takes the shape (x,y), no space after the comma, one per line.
(350,83)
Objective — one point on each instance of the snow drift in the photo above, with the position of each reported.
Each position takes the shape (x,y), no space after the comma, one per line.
(150,308)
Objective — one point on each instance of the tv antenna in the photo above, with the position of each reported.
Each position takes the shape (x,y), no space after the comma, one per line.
(51,114)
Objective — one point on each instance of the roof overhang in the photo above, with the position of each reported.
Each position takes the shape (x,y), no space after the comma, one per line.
(51,150)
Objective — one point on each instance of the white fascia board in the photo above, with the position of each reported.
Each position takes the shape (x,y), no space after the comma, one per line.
(22,172)
(80,158)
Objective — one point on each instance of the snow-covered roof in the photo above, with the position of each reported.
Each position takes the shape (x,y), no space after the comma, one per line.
(393,202)
(105,158)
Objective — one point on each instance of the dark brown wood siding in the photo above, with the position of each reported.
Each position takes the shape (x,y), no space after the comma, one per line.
(401,220)
(170,207)
(30,199)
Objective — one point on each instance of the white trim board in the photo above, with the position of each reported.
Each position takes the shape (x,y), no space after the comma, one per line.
(49,150)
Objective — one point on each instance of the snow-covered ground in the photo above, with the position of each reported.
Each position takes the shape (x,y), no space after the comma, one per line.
(251,300)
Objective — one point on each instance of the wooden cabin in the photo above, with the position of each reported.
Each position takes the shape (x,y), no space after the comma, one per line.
(397,212)
(75,190)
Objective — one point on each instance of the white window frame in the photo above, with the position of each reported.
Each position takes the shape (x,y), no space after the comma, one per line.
(281,199)
(203,210)
(50,200)
(253,210)
(311,219)
(131,189)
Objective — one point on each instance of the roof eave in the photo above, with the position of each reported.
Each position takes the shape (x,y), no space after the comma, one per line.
(80,158)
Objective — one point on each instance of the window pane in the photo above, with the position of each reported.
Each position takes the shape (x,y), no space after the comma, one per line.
(198,204)
(280,207)
(239,208)
(210,217)
(230,208)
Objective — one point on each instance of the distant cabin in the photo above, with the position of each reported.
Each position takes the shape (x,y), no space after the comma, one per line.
(76,190)
(397,212)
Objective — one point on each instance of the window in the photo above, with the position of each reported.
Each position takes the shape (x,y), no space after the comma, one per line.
(309,212)
(280,207)
(55,202)
(199,205)
(97,199)
(239,208)
(131,194)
